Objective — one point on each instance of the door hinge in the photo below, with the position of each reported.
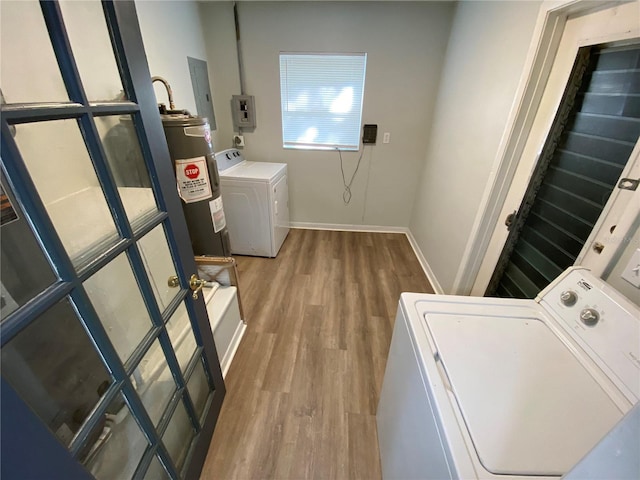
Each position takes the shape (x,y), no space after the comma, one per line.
(628,184)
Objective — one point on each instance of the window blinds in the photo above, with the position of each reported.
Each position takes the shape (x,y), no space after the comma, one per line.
(321,97)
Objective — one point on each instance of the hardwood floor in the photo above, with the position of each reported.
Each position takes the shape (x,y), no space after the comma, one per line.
(303,388)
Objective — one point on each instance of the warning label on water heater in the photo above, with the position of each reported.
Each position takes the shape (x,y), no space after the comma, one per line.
(217,214)
(192,175)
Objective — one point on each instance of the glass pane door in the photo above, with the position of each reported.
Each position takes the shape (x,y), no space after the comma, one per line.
(119,365)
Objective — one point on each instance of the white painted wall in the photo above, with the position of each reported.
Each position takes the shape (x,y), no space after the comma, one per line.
(485,58)
(405,44)
(171,32)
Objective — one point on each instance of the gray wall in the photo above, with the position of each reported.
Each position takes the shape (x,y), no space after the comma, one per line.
(405,45)
(219,32)
(441,77)
(485,58)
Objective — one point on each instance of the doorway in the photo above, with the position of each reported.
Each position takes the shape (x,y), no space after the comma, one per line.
(561,30)
(589,144)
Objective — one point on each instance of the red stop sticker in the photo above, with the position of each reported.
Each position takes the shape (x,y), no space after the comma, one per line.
(191,171)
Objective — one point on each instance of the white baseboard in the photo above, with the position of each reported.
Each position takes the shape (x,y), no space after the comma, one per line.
(437,288)
(378,229)
(346,227)
(233,347)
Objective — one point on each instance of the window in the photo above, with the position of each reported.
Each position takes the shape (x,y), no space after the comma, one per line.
(321,97)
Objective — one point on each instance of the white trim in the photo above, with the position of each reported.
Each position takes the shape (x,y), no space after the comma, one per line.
(426,268)
(223,310)
(548,31)
(435,284)
(346,227)
(232,348)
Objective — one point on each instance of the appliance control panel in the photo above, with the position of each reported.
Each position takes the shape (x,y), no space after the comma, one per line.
(600,319)
(228,158)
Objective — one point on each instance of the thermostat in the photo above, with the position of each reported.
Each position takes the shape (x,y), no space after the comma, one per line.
(370,134)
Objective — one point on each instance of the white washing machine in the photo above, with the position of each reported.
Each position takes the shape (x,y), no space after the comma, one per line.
(505,389)
(255,196)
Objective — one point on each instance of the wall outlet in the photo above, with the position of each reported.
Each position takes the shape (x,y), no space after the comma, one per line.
(631,272)
(238,140)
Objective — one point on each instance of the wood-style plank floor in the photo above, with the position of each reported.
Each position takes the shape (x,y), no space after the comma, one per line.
(303,388)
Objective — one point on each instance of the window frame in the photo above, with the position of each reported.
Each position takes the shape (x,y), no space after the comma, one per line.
(325,116)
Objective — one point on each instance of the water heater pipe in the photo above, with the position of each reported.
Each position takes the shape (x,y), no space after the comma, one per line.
(172,105)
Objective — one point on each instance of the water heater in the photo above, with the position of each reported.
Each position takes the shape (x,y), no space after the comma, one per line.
(198,183)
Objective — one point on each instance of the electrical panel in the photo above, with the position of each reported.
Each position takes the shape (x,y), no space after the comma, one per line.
(244,111)
(370,133)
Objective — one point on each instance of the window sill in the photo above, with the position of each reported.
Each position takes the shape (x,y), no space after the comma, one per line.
(320,148)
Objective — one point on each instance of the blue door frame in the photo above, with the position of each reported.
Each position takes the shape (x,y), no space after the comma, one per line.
(29,448)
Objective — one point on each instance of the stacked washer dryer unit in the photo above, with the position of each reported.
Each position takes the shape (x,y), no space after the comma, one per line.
(256,203)
(504,389)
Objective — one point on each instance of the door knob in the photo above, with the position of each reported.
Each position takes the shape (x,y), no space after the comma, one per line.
(196,285)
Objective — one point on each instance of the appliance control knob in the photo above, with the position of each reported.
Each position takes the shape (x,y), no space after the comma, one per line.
(589,316)
(568,298)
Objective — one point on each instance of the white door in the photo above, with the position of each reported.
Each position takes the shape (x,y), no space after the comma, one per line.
(617,23)
(617,224)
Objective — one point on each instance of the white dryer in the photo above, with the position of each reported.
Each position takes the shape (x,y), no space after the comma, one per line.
(255,196)
(505,389)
